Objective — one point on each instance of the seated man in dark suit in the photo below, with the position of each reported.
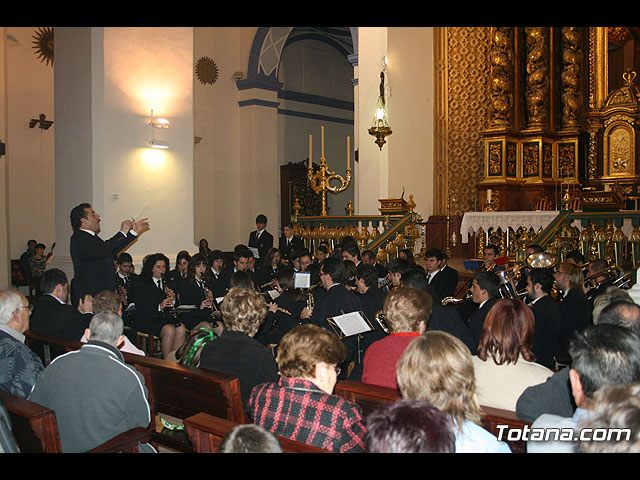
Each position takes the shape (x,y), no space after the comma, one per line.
(260,239)
(547,315)
(597,279)
(444,318)
(52,315)
(337,301)
(241,257)
(369,258)
(289,243)
(440,276)
(485,287)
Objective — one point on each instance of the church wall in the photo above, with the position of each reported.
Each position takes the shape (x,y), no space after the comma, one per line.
(27,93)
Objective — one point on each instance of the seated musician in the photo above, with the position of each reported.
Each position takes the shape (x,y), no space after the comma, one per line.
(182,263)
(489,255)
(547,316)
(216,261)
(522,282)
(124,278)
(241,258)
(154,299)
(301,405)
(485,288)
(575,309)
(575,257)
(267,272)
(236,351)
(440,276)
(369,258)
(407,311)
(194,289)
(407,254)
(598,282)
(284,311)
(437,367)
(322,252)
(305,260)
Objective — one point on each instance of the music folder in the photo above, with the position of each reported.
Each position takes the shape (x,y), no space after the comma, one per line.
(302,280)
(349,324)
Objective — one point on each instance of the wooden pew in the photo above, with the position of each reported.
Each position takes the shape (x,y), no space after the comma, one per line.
(36,429)
(174,389)
(207,432)
(373,397)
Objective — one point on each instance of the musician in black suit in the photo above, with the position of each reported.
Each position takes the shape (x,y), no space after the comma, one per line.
(440,276)
(289,243)
(241,258)
(485,288)
(52,315)
(154,300)
(337,301)
(194,289)
(594,271)
(268,271)
(444,318)
(260,239)
(93,258)
(216,263)
(575,309)
(547,316)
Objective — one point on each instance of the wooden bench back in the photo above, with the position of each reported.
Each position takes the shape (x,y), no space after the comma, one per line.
(35,427)
(207,432)
(373,397)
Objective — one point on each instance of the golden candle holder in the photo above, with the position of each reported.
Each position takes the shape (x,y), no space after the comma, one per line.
(320,182)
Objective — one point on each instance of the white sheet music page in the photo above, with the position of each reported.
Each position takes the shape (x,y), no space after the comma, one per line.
(352,323)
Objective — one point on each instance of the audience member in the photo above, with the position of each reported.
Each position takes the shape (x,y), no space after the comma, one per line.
(409,426)
(600,355)
(407,311)
(19,366)
(301,405)
(110,301)
(505,364)
(94,393)
(437,367)
(189,352)
(554,396)
(52,315)
(236,351)
(612,294)
(250,438)
(38,264)
(24,259)
(616,409)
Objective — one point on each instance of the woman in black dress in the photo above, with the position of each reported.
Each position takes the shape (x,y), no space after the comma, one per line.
(195,290)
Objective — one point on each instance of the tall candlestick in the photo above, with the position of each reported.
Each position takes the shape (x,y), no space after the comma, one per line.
(488,195)
(348,150)
(322,141)
(310,150)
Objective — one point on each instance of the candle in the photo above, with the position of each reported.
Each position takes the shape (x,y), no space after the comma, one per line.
(488,195)
(310,149)
(322,142)
(348,151)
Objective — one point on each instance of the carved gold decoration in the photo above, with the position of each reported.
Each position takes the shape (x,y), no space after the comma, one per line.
(572,60)
(501,65)
(537,76)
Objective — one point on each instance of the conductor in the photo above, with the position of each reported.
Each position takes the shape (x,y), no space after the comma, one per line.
(93,257)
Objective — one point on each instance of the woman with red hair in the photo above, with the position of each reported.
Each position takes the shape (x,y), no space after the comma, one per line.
(505,364)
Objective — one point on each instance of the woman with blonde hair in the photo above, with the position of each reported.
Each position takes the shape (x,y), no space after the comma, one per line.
(235,351)
(437,367)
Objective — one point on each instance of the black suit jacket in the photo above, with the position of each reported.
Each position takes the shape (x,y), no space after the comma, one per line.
(93,266)
(286,249)
(50,317)
(476,323)
(445,282)
(547,330)
(447,319)
(575,311)
(263,244)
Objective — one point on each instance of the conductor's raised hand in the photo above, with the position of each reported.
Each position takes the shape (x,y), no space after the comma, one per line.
(140,225)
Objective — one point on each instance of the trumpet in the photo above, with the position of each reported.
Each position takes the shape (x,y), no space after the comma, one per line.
(455,301)
(381,318)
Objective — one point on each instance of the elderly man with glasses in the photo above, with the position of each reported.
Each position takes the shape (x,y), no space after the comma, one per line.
(19,366)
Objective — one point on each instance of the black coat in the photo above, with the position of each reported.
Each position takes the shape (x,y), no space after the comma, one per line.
(447,319)
(93,265)
(547,330)
(575,311)
(476,323)
(50,317)
(445,282)
(286,249)
(263,244)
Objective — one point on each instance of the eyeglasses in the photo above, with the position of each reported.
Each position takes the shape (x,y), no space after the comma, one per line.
(30,307)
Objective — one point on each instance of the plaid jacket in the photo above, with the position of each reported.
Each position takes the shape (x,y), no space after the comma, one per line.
(297,409)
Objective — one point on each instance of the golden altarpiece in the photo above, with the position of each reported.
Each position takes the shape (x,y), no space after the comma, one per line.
(561,115)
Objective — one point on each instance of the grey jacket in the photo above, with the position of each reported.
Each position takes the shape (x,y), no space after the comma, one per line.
(96,396)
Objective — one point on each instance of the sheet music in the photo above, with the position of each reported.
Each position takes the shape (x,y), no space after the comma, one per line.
(302,279)
(255,252)
(273,294)
(352,323)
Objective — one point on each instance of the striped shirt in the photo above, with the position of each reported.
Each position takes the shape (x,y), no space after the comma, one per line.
(297,409)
